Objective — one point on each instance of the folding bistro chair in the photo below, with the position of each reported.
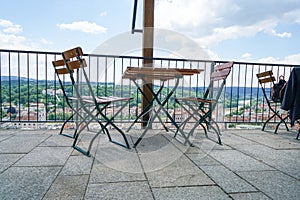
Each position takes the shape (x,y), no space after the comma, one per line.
(71,101)
(266,80)
(200,109)
(94,107)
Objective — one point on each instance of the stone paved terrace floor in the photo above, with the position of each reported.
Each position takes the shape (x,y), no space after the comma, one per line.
(250,164)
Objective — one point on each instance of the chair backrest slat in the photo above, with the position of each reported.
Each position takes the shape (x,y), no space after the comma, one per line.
(267,80)
(221,71)
(264,74)
(60,67)
(220,74)
(76,64)
(72,53)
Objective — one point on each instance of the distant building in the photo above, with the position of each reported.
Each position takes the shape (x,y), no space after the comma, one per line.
(52,92)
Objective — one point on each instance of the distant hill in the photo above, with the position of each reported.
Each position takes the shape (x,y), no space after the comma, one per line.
(234,92)
(15,78)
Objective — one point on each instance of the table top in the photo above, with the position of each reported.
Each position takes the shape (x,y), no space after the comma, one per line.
(163,74)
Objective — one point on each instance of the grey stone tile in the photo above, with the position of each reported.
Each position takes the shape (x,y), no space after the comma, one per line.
(208,145)
(284,160)
(68,187)
(274,184)
(8,159)
(189,193)
(84,141)
(114,164)
(227,180)
(270,140)
(202,142)
(155,157)
(46,156)
(124,190)
(154,140)
(21,143)
(182,172)
(58,140)
(250,196)
(5,136)
(101,174)
(77,165)
(203,159)
(237,161)
(26,182)
(232,139)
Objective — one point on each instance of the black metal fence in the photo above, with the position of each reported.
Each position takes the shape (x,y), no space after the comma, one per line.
(29,90)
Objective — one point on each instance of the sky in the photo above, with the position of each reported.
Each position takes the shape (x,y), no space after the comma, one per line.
(241,30)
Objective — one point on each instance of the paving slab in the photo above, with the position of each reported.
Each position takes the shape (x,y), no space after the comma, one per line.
(26,182)
(68,187)
(124,190)
(45,156)
(274,184)
(22,143)
(227,180)
(232,139)
(250,196)
(189,193)
(287,161)
(269,139)
(182,172)
(113,163)
(78,165)
(203,159)
(5,136)
(8,160)
(156,153)
(58,140)
(237,161)
(84,142)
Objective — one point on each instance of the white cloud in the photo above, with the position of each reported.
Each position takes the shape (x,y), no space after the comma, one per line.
(45,41)
(281,35)
(104,13)
(293,59)
(196,15)
(10,37)
(235,32)
(84,26)
(247,56)
(9,27)
(292,16)
(213,21)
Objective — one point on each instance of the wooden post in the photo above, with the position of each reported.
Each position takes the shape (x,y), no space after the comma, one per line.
(148,35)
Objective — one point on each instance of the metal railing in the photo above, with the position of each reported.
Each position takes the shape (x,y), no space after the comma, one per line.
(29,85)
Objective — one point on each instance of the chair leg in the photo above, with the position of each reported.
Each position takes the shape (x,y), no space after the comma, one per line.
(63,127)
(297,138)
(263,128)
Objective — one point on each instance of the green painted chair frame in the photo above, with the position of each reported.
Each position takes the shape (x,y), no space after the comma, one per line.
(201,109)
(266,80)
(73,59)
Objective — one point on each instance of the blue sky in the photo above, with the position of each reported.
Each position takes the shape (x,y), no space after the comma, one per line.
(255,31)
